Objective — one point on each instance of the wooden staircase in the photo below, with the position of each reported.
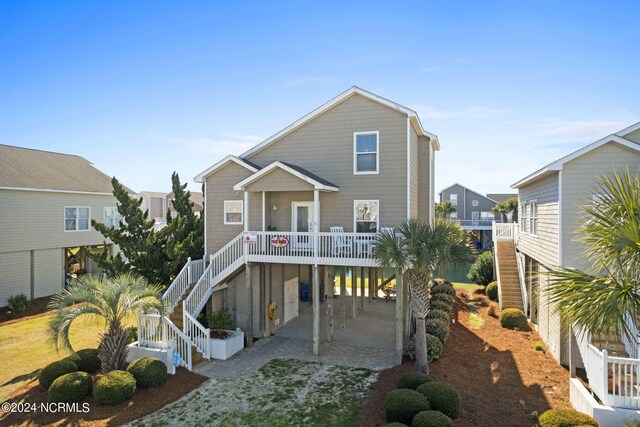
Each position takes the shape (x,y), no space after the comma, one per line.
(508,276)
(612,343)
(177,318)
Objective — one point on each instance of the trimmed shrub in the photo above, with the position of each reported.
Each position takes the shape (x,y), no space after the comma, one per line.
(439,328)
(402,405)
(492,291)
(441,281)
(87,360)
(411,380)
(439,288)
(432,419)
(440,305)
(481,271)
(114,388)
(513,318)
(443,297)
(69,388)
(54,370)
(442,398)
(148,372)
(17,303)
(395,425)
(565,418)
(434,348)
(221,320)
(439,314)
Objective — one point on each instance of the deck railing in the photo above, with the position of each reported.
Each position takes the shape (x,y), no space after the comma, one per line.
(476,222)
(505,231)
(198,334)
(189,274)
(156,331)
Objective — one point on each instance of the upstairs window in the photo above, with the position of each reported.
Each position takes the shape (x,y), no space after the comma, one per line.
(76,218)
(112,217)
(365,157)
(233,211)
(533,217)
(523,217)
(487,215)
(453,198)
(366,216)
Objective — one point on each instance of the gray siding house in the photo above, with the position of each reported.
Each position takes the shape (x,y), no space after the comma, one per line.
(47,201)
(300,211)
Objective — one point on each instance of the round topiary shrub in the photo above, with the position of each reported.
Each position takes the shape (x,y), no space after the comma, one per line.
(87,360)
(411,380)
(443,297)
(69,388)
(565,418)
(513,318)
(54,370)
(431,419)
(395,425)
(402,405)
(434,347)
(439,328)
(442,398)
(441,288)
(481,271)
(440,305)
(492,291)
(148,372)
(114,388)
(439,314)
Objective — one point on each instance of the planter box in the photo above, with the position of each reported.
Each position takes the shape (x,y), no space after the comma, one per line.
(224,349)
(164,354)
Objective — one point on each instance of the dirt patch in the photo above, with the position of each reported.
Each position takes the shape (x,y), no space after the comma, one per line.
(35,308)
(145,401)
(501,378)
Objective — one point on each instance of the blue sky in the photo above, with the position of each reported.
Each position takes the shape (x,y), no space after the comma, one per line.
(145,88)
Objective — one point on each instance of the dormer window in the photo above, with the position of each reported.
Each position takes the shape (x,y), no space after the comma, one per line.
(365,156)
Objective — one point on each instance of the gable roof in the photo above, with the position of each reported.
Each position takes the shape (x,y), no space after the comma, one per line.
(354,90)
(626,131)
(297,171)
(556,166)
(501,197)
(244,163)
(31,169)
(468,189)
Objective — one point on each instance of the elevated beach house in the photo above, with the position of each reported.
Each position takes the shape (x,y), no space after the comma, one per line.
(299,212)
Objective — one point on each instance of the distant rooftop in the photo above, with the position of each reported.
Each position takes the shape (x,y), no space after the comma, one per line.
(501,197)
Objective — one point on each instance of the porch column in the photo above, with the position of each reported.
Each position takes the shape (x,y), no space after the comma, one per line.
(316,310)
(249,290)
(407,309)
(354,292)
(316,221)
(343,298)
(329,286)
(264,211)
(399,317)
(245,215)
(362,296)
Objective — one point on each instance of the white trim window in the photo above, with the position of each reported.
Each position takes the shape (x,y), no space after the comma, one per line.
(533,217)
(366,218)
(523,217)
(366,158)
(77,218)
(487,216)
(233,212)
(112,217)
(453,198)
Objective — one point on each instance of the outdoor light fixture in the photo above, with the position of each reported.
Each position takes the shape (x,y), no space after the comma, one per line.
(275,208)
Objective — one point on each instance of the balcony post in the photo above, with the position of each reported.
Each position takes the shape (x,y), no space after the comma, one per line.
(399,317)
(343,298)
(316,221)
(354,292)
(329,288)
(316,310)
(245,215)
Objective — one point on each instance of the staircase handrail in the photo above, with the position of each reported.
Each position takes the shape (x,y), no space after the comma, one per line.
(198,334)
(181,340)
(523,285)
(175,291)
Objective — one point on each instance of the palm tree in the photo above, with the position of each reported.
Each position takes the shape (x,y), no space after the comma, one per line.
(509,206)
(443,209)
(598,301)
(112,300)
(418,249)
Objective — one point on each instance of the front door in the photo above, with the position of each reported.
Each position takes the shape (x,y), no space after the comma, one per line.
(290,299)
(302,222)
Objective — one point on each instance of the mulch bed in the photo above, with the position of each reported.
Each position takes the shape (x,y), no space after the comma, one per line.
(145,401)
(35,308)
(500,377)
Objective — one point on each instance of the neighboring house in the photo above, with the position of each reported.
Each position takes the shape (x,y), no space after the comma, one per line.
(158,204)
(501,197)
(308,201)
(473,212)
(549,213)
(47,201)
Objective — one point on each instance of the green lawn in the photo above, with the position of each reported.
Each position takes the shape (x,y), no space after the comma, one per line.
(282,393)
(26,349)
(471,287)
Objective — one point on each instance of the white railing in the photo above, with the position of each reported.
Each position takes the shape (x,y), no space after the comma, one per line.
(497,264)
(476,222)
(523,285)
(189,274)
(156,331)
(505,232)
(198,334)
(615,380)
(221,264)
(631,344)
(327,248)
